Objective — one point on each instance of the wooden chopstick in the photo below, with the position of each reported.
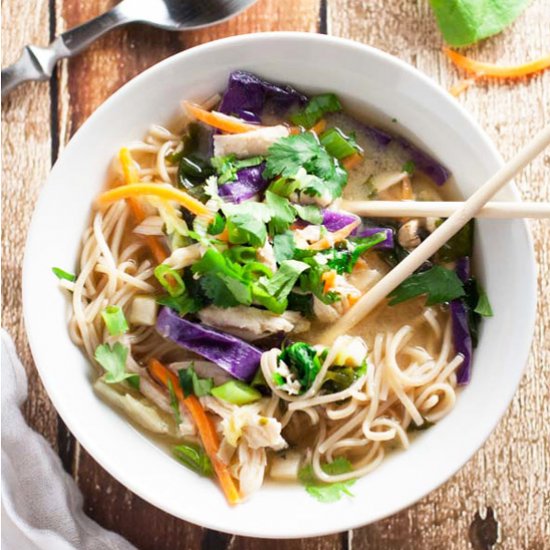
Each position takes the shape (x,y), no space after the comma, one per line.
(440,236)
(443,209)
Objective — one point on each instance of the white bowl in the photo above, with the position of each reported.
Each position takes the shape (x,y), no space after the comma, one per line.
(361,76)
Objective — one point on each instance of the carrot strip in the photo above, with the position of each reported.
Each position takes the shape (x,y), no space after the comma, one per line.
(329,278)
(406,189)
(205,427)
(353,299)
(131,176)
(352,161)
(332,238)
(492,70)
(162,191)
(320,127)
(226,123)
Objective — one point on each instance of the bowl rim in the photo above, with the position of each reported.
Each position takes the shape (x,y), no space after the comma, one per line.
(118,472)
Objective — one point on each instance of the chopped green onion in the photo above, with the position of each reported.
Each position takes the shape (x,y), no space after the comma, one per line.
(217,225)
(170,280)
(241,254)
(236,392)
(194,457)
(254,270)
(60,274)
(337,143)
(114,320)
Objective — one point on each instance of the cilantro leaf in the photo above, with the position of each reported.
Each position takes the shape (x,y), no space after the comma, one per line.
(284,246)
(281,212)
(228,166)
(246,228)
(191,384)
(438,283)
(113,360)
(282,282)
(327,492)
(315,109)
(344,260)
(483,306)
(309,213)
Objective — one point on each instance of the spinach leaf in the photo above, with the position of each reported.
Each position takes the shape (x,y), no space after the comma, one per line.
(195,458)
(464,22)
(459,245)
(303,361)
(437,283)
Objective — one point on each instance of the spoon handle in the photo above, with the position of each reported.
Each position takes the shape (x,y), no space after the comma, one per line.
(38,63)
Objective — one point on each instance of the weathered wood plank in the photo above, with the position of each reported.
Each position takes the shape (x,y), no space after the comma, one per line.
(511,473)
(26,153)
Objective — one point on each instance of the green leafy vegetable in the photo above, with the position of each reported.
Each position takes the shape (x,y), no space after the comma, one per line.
(284,246)
(194,457)
(170,279)
(316,108)
(114,320)
(301,302)
(338,144)
(236,392)
(324,175)
(282,282)
(246,228)
(303,361)
(309,213)
(344,260)
(327,492)
(183,304)
(339,378)
(113,360)
(483,306)
(437,283)
(282,214)
(191,384)
(477,305)
(464,22)
(228,166)
(174,403)
(459,245)
(60,274)
(409,167)
(217,225)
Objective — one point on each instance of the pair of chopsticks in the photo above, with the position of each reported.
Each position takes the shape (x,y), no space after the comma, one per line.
(459,215)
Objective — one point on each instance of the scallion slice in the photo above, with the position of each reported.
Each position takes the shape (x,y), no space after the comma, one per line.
(114,320)
(60,274)
(170,280)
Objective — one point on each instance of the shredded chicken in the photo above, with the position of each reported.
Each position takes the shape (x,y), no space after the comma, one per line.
(308,234)
(266,255)
(249,144)
(184,257)
(252,323)
(251,470)
(324,312)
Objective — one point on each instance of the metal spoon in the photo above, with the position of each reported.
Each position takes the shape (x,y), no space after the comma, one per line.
(174,15)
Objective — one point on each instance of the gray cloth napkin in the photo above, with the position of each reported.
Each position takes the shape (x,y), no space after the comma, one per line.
(41,504)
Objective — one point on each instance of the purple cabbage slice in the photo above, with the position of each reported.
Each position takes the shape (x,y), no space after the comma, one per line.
(364,231)
(426,163)
(334,220)
(240,359)
(248,93)
(380,137)
(462,339)
(249,182)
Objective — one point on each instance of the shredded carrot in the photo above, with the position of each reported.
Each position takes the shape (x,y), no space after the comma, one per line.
(205,427)
(329,278)
(490,70)
(131,176)
(360,265)
(406,189)
(461,86)
(226,123)
(319,127)
(166,192)
(353,299)
(332,238)
(224,235)
(294,130)
(352,161)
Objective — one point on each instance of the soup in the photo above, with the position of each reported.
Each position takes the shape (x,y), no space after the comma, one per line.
(218,257)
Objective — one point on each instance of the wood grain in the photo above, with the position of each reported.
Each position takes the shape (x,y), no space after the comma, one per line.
(510,475)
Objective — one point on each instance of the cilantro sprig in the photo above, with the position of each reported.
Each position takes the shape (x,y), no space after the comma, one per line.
(327,492)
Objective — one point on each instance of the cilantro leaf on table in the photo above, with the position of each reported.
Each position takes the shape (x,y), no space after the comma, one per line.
(327,492)
(464,22)
(192,384)
(113,360)
(437,283)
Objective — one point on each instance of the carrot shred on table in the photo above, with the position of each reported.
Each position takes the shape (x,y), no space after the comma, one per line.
(491,70)
(319,127)
(162,191)
(461,86)
(352,161)
(226,123)
(205,427)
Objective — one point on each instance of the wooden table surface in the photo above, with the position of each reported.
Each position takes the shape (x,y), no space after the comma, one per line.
(506,486)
